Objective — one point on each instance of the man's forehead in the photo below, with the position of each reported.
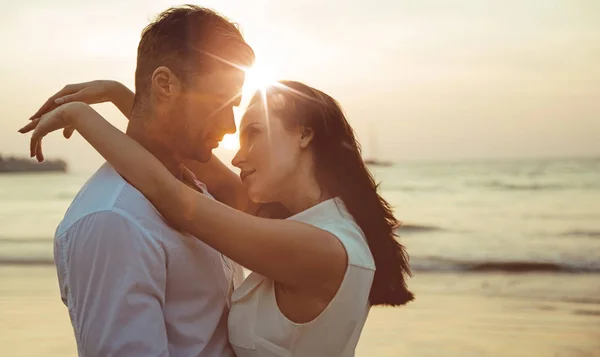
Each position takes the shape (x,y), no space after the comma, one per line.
(222,82)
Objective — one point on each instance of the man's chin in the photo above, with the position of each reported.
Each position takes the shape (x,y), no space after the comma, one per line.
(204,156)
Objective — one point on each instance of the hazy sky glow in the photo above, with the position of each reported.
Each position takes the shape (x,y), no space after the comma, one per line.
(430,79)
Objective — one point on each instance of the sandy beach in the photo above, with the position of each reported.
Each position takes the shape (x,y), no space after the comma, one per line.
(454,315)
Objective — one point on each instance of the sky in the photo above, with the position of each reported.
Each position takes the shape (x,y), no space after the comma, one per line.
(419,80)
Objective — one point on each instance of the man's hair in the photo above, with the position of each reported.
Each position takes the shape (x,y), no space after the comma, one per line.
(188,39)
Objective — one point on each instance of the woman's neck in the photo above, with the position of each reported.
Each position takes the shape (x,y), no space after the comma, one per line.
(303,193)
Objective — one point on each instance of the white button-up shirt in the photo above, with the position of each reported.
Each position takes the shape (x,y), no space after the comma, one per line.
(133,285)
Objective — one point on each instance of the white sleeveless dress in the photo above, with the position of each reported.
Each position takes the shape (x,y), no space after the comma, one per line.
(257,328)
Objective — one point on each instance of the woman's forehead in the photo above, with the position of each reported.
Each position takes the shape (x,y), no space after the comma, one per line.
(254,114)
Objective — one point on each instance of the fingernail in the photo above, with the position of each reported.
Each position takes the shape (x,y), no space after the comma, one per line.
(58,101)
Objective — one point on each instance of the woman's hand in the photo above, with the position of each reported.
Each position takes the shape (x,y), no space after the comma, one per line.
(94,92)
(44,125)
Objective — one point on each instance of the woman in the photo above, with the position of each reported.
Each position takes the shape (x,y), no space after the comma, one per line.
(314,274)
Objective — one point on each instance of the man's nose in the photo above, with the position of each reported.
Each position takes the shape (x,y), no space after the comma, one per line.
(229,122)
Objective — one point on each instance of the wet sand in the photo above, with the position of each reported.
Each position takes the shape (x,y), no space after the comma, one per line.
(490,315)
(454,315)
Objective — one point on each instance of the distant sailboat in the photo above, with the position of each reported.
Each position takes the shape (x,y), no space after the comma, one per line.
(373,161)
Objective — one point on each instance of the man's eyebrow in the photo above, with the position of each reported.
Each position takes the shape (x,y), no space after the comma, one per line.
(234,98)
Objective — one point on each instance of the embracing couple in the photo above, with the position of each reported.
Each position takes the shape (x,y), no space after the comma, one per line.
(149,254)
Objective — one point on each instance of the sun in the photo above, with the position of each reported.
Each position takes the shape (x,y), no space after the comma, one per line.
(258,77)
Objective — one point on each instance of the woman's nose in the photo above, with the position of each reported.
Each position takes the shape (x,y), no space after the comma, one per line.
(237,159)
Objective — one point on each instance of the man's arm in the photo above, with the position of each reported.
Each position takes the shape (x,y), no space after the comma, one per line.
(116,277)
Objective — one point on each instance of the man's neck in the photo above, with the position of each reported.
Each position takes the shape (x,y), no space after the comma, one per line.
(155,146)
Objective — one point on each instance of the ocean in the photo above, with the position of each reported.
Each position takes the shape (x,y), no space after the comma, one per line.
(505,256)
(503,215)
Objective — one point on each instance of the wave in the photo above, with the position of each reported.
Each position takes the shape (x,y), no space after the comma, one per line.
(408,188)
(65,195)
(494,186)
(504,186)
(25,240)
(509,266)
(587,312)
(20,261)
(581,233)
(426,265)
(531,186)
(416,228)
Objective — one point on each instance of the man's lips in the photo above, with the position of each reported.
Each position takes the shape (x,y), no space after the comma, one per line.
(245,174)
(215,141)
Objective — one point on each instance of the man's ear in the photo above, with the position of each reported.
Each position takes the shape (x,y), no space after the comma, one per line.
(164,83)
(306,136)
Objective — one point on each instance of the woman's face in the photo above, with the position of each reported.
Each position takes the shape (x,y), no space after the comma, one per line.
(269,154)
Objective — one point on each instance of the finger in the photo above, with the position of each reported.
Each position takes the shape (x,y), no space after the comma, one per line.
(50,103)
(29,127)
(39,154)
(47,106)
(35,137)
(32,146)
(68,132)
(75,97)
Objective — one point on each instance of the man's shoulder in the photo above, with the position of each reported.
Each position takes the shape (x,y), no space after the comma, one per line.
(107,191)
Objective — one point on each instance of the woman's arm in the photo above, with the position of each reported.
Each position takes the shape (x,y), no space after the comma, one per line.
(121,96)
(224,184)
(93,92)
(292,253)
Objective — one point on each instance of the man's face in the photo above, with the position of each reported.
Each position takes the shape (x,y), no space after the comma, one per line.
(202,113)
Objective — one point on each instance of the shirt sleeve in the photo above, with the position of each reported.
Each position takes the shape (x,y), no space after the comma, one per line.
(116,274)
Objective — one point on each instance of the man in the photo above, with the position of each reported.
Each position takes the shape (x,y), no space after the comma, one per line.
(134,286)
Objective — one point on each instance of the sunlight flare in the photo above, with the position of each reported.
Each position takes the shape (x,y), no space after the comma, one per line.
(230,142)
(258,77)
